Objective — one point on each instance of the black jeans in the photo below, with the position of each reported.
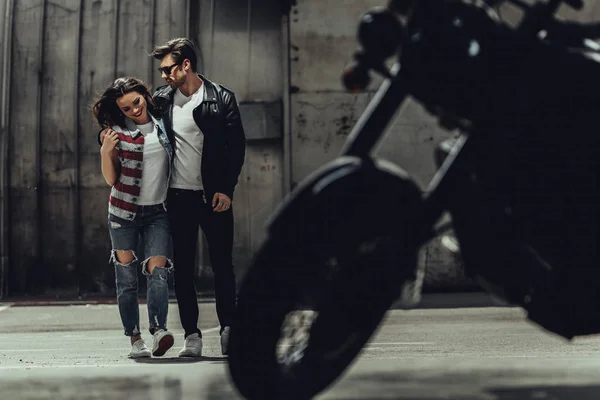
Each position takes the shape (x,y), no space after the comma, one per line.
(187,211)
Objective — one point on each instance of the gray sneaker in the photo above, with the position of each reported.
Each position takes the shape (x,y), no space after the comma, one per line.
(163,341)
(192,347)
(225,340)
(139,350)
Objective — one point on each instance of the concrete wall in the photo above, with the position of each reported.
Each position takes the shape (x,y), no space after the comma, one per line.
(322,40)
(58,54)
(63,52)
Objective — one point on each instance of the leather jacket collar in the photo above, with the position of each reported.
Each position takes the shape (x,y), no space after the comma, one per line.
(164,94)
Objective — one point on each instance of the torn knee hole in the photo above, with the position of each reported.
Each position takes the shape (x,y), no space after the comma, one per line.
(165,264)
(126,259)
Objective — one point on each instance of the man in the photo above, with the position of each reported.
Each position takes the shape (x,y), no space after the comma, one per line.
(203,121)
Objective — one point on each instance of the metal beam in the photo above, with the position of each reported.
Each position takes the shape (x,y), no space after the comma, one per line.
(77,240)
(5,73)
(38,249)
(286,102)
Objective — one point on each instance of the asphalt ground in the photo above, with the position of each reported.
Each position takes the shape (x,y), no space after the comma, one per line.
(456,346)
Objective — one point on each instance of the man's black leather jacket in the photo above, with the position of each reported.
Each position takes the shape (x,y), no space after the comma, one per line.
(218,117)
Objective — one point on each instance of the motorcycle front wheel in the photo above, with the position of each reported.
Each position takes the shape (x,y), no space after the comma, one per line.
(300,326)
(338,253)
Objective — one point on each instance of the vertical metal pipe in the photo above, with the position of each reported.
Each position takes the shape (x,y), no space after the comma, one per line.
(189,24)
(39,243)
(150,79)
(117,19)
(286,103)
(192,30)
(209,70)
(5,88)
(76,193)
(249,62)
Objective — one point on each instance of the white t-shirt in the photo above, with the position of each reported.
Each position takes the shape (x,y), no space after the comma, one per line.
(188,141)
(154,169)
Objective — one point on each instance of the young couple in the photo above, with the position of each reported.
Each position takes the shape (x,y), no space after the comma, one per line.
(173,161)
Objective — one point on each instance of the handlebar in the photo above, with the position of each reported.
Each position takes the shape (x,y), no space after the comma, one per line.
(574,4)
(380,34)
(572,33)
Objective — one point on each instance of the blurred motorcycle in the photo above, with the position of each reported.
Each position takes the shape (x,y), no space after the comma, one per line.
(520,183)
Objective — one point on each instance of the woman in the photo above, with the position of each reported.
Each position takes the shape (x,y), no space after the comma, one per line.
(136,163)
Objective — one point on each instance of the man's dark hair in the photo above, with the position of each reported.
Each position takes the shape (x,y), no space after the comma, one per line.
(179,48)
(105,109)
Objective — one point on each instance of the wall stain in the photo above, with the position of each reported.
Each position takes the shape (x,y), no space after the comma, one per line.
(344,125)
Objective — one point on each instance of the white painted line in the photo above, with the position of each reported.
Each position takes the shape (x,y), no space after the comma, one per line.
(2,308)
(386,346)
(368,345)
(520,356)
(56,350)
(49,366)
(401,344)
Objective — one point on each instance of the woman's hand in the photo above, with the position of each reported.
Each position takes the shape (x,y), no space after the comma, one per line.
(111,168)
(111,138)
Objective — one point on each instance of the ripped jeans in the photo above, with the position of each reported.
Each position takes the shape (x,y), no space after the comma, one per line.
(150,229)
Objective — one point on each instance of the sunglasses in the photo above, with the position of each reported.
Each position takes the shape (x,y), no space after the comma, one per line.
(167,70)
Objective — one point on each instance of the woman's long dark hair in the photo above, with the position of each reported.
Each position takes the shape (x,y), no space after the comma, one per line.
(105,108)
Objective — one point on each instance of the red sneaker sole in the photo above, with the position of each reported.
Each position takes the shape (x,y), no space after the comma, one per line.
(165,344)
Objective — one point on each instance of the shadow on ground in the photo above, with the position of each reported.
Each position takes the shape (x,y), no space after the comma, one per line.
(387,386)
(407,386)
(471,385)
(131,388)
(180,360)
(547,392)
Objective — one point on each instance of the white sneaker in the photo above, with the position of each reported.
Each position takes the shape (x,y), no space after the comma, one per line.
(192,347)
(139,350)
(163,341)
(225,340)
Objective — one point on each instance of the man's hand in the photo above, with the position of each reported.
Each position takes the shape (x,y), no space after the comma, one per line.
(109,141)
(221,202)
(104,133)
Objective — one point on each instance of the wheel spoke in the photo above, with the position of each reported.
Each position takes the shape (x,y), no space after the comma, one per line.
(295,333)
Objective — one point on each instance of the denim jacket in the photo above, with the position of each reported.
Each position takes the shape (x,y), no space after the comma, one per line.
(124,195)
